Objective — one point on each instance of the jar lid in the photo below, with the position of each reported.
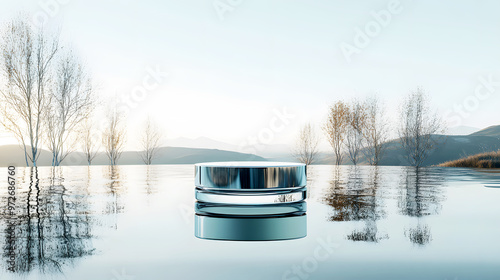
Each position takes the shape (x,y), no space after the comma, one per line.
(250,175)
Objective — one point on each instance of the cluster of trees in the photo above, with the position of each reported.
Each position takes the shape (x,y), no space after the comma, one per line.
(47,91)
(113,138)
(48,100)
(360,128)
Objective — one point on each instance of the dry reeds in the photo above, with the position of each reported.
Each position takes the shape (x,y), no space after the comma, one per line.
(484,160)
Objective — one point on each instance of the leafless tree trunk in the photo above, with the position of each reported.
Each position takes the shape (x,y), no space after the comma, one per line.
(113,137)
(356,124)
(151,141)
(335,128)
(88,141)
(71,104)
(417,125)
(306,149)
(376,132)
(27,57)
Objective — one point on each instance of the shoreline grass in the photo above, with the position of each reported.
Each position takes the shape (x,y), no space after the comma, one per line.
(483,160)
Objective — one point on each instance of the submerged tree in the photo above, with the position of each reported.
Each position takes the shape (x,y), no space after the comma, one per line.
(71,105)
(356,124)
(306,147)
(88,141)
(151,141)
(376,131)
(335,128)
(417,126)
(27,57)
(113,138)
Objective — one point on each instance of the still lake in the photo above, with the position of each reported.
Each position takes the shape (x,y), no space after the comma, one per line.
(137,222)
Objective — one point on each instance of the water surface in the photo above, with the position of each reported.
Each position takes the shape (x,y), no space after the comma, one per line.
(137,222)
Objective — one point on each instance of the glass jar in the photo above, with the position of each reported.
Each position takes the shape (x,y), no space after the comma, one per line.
(250,183)
(250,201)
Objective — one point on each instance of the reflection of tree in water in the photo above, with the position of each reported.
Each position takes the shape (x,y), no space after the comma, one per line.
(421,192)
(420,196)
(53,227)
(151,179)
(114,204)
(420,235)
(355,199)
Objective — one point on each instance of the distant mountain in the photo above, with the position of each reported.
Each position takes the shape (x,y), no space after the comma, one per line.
(14,155)
(278,151)
(493,131)
(454,147)
(177,155)
(462,130)
(272,151)
(451,148)
(200,142)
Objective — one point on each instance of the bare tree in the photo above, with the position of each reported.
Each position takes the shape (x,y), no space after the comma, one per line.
(356,124)
(26,60)
(376,132)
(335,128)
(306,148)
(417,126)
(88,141)
(113,137)
(151,141)
(71,104)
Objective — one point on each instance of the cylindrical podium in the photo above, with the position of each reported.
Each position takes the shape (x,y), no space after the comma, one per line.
(250,201)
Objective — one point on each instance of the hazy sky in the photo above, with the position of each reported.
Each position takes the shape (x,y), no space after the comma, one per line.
(232,64)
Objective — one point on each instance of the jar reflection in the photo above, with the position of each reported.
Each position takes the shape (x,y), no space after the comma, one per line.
(279,221)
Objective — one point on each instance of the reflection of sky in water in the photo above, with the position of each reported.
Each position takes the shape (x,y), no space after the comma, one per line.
(101,223)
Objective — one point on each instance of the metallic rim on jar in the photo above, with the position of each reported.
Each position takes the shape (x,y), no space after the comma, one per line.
(248,176)
(251,198)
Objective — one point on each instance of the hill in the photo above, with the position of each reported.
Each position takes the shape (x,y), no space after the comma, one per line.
(452,148)
(492,131)
(14,155)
